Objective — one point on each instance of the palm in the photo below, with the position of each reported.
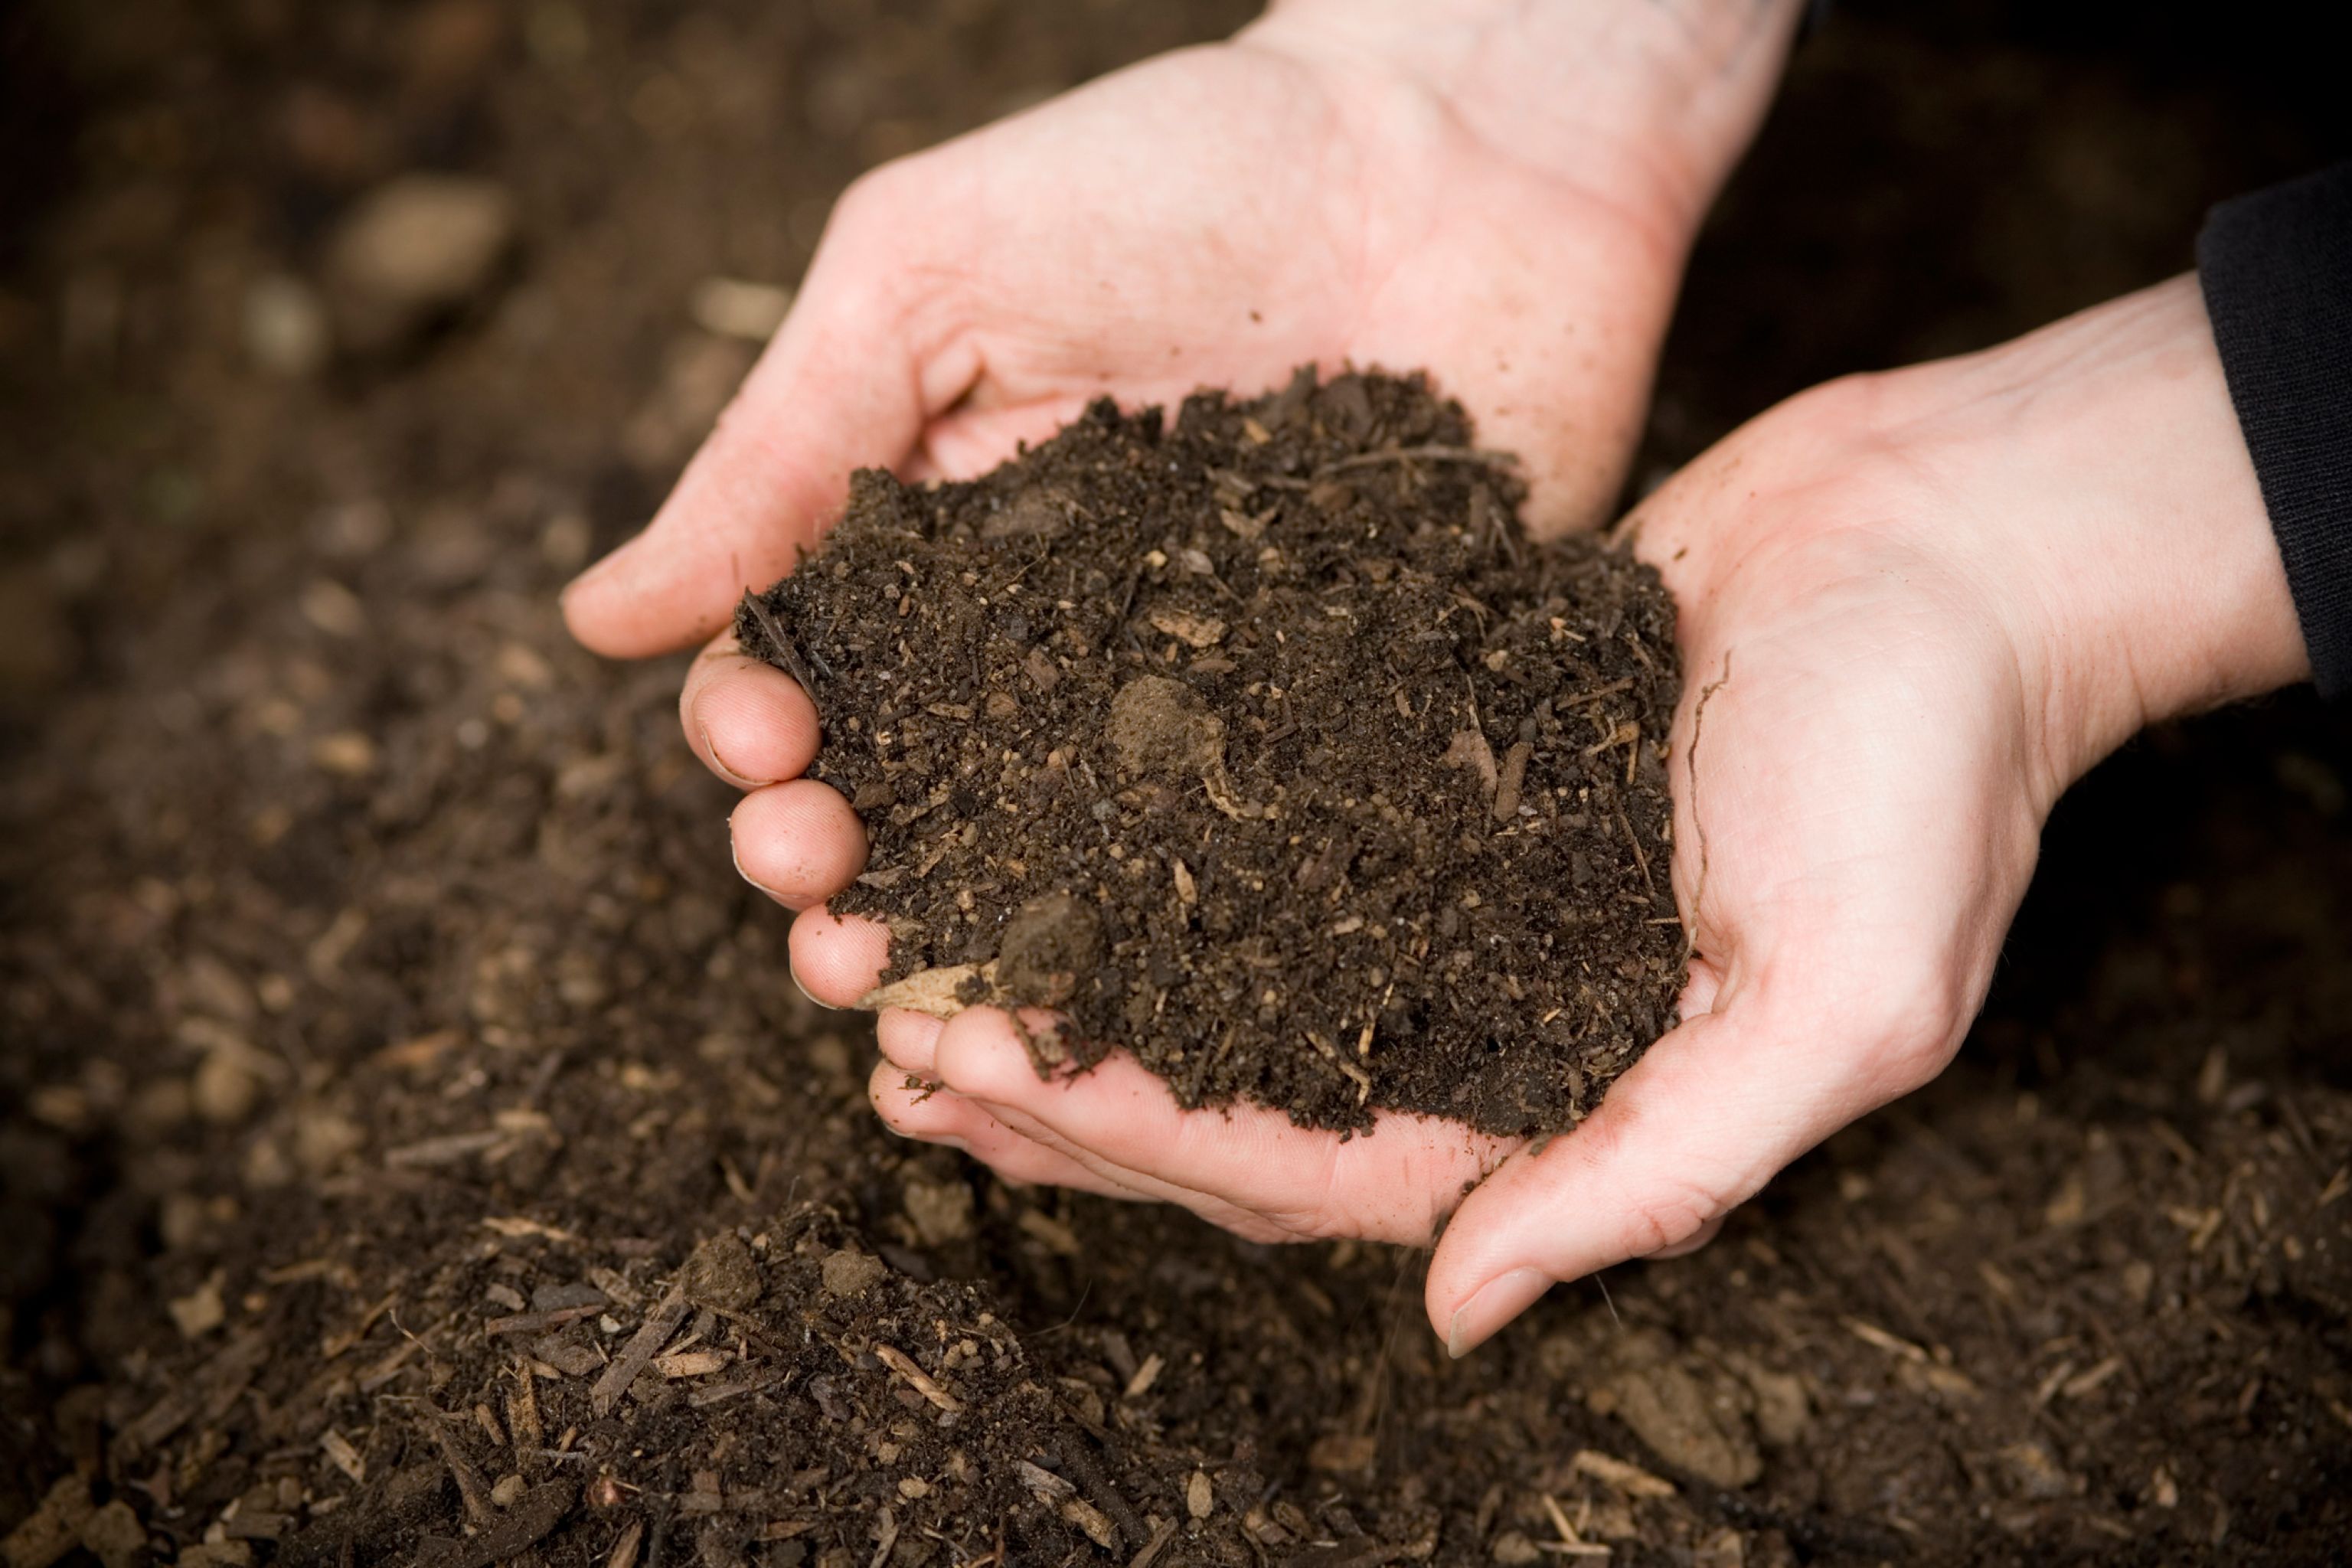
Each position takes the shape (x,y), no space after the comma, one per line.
(1216,217)
(1239,212)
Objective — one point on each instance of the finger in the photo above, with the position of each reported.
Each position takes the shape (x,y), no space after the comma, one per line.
(935,1115)
(908,1038)
(841,387)
(836,960)
(1695,1128)
(1698,1240)
(798,843)
(749,722)
(1216,1211)
(1391,1184)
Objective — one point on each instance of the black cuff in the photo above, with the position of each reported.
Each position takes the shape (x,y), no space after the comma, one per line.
(2277,273)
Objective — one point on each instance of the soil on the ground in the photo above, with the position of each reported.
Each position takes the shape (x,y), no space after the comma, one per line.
(1264,746)
(412,1148)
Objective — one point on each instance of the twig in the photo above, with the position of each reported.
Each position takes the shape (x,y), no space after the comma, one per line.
(470,1490)
(651,1335)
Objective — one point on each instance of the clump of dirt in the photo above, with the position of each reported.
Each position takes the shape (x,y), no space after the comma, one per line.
(1264,746)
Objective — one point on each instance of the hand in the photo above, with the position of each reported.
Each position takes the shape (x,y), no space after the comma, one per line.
(1503,191)
(1915,608)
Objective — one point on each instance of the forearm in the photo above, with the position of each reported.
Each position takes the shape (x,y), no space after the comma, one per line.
(1671,91)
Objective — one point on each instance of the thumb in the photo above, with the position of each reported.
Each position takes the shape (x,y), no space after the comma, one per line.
(838,389)
(1707,1116)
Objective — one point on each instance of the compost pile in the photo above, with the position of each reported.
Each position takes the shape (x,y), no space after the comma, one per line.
(1264,746)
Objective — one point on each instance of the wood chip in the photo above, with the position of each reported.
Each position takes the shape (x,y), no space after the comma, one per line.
(1631,1479)
(1093,1520)
(897,1360)
(1163,1530)
(691,1363)
(471,1488)
(52,1530)
(1191,630)
(1514,779)
(1469,750)
(517,1227)
(343,1456)
(934,991)
(647,1342)
(1049,1486)
(1057,1236)
(1872,1334)
(1145,1376)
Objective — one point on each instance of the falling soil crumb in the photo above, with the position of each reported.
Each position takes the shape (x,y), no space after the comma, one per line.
(1266,746)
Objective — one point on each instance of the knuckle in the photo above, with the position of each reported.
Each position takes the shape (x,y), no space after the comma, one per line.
(1670,1216)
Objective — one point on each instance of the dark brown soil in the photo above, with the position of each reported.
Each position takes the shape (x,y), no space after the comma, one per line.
(1264,746)
(383,1033)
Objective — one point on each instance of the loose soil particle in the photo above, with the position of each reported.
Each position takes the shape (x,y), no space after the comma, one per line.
(1264,746)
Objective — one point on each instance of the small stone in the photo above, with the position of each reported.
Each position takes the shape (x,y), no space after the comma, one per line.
(1513,1547)
(286,331)
(226,1087)
(1200,1497)
(849,1272)
(506,1490)
(412,253)
(347,752)
(1688,1422)
(941,1211)
(733,308)
(200,1311)
(324,1140)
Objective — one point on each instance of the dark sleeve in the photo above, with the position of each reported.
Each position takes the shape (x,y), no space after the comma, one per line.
(2277,273)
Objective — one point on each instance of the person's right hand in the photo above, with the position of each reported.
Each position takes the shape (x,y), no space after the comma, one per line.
(1502,191)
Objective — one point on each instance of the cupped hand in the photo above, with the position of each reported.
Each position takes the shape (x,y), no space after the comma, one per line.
(1503,192)
(1915,608)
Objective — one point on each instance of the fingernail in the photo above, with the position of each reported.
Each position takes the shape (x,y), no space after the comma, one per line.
(710,749)
(1495,1303)
(950,1141)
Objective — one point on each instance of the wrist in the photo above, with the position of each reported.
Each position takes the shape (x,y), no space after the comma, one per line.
(2117,493)
(1654,101)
